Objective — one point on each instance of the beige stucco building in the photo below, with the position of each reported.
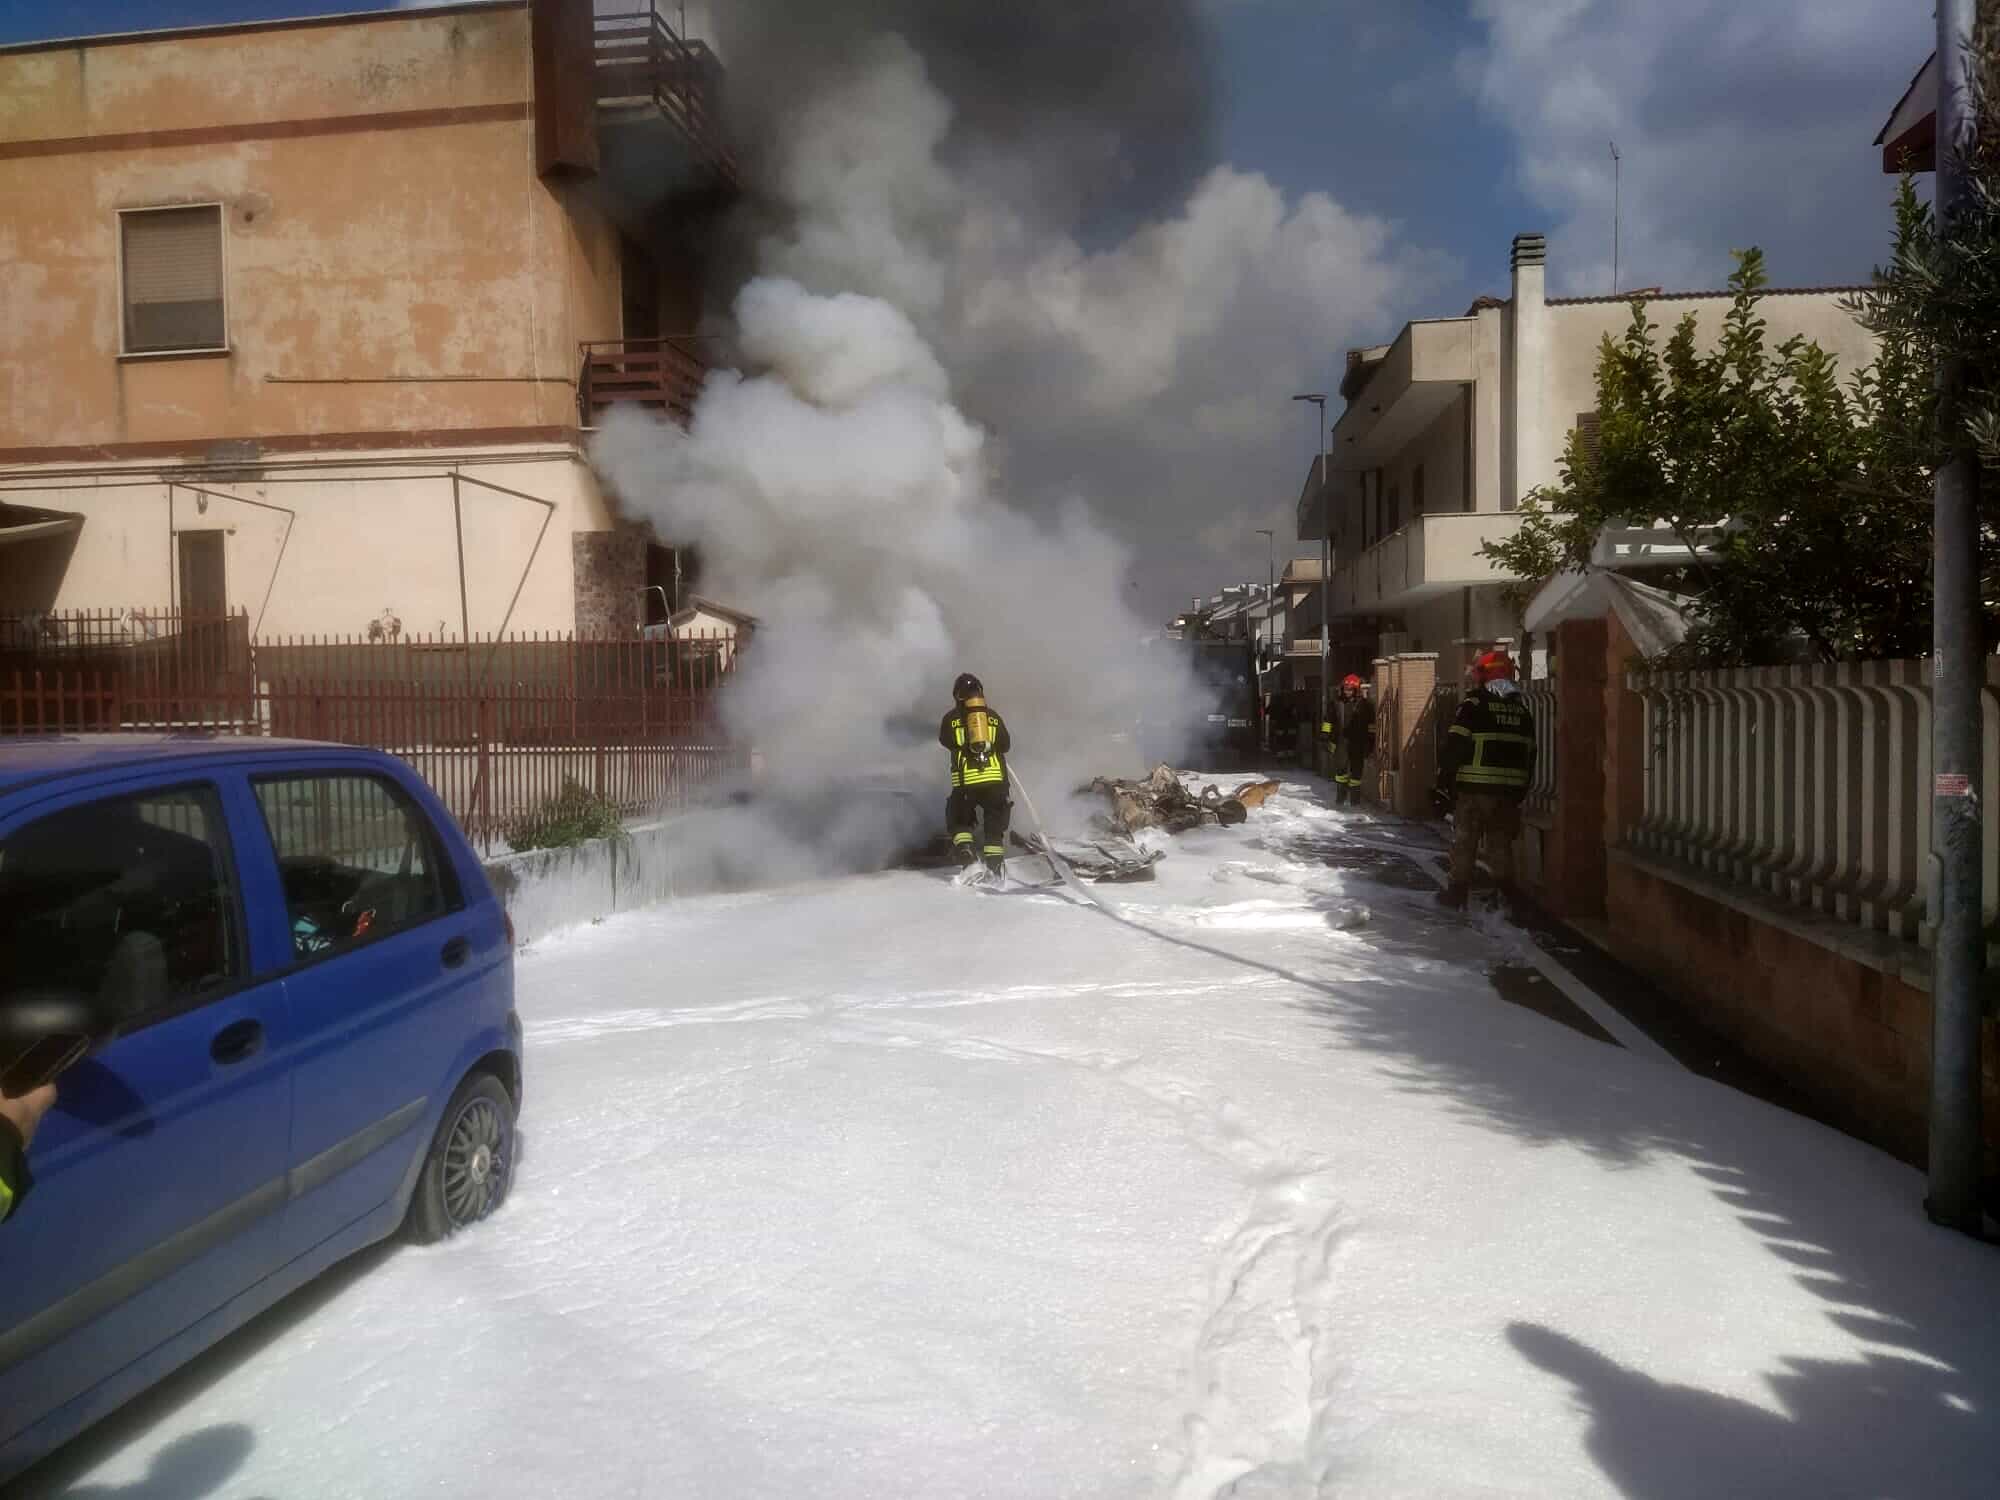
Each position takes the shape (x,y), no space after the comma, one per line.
(294,316)
(1448,427)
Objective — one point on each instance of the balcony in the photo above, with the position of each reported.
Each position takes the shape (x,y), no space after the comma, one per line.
(648,75)
(1429,557)
(1414,383)
(662,375)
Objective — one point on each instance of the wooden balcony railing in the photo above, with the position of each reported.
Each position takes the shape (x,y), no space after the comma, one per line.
(663,375)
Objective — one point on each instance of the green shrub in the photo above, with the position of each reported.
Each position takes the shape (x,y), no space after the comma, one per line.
(575,815)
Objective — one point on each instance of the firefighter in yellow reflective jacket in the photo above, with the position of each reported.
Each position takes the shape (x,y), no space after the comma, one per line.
(1349,736)
(1484,769)
(978,742)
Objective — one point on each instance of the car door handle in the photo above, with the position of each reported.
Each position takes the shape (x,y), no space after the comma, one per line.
(455,952)
(233,1044)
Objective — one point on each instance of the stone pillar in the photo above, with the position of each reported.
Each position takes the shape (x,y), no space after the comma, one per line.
(610,571)
(1624,739)
(1409,791)
(1574,871)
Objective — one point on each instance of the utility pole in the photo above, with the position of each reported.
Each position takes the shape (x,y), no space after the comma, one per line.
(1318,398)
(1958,955)
(1617,211)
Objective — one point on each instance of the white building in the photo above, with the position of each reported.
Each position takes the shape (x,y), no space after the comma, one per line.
(1449,426)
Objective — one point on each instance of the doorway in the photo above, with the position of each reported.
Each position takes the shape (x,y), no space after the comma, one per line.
(204,604)
(639,294)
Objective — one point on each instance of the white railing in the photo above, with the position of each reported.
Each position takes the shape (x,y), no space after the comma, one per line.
(1540,696)
(1810,783)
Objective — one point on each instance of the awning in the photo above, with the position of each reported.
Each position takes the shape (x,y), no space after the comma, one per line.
(1910,137)
(25,523)
(1655,620)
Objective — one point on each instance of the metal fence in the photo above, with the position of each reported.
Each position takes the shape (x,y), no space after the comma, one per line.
(499,726)
(1809,783)
(1540,696)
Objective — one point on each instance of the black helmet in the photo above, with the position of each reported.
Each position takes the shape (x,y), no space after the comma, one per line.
(967,686)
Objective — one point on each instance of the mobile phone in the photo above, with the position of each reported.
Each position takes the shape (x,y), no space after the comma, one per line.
(39,1062)
(40,1035)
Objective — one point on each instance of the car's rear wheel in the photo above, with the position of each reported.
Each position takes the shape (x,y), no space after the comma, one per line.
(471,1162)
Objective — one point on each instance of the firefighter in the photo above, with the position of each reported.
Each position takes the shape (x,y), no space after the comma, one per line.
(1484,769)
(1349,736)
(976,738)
(19,1117)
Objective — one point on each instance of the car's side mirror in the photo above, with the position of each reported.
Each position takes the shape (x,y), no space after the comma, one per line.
(42,1032)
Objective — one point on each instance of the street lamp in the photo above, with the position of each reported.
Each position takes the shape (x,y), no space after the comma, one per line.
(1270,640)
(1270,581)
(1318,398)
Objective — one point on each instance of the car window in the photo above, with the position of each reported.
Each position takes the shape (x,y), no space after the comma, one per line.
(358,858)
(131,900)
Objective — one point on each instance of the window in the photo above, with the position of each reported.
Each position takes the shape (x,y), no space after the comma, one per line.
(358,859)
(171,260)
(1417,491)
(132,901)
(1394,511)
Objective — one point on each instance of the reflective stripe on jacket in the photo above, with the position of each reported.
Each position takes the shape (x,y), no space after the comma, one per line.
(965,770)
(13,1168)
(1491,744)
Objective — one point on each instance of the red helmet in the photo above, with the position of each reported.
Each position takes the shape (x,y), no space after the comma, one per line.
(1494,666)
(1350,681)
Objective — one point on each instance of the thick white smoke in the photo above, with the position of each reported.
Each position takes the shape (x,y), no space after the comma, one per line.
(839,495)
(834,490)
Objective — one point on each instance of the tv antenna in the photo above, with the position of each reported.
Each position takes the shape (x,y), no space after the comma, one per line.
(1617,206)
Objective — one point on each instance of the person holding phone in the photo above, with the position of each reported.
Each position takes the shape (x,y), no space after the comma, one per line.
(20,1116)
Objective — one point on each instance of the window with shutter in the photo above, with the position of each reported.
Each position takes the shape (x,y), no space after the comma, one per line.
(172,260)
(1586,427)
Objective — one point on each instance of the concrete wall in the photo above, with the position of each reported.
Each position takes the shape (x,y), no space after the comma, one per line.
(382,217)
(1439,450)
(1440,624)
(363,541)
(545,891)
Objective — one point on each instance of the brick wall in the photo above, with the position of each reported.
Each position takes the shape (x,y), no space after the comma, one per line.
(1564,857)
(1852,1039)
(610,572)
(1405,752)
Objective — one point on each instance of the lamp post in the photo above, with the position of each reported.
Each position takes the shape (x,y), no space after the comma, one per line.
(1958,952)
(1270,626)
(1318,398)
(1270,581)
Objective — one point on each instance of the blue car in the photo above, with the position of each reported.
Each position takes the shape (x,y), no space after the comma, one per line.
(294,992)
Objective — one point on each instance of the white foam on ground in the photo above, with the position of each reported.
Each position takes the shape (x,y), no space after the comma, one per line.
(877,1188)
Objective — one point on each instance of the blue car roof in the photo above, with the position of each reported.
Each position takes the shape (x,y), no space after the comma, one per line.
(42,757)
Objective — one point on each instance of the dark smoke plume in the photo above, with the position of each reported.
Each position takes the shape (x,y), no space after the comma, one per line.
(1107,104)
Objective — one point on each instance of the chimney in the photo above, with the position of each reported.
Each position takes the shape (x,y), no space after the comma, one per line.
(1528,353)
